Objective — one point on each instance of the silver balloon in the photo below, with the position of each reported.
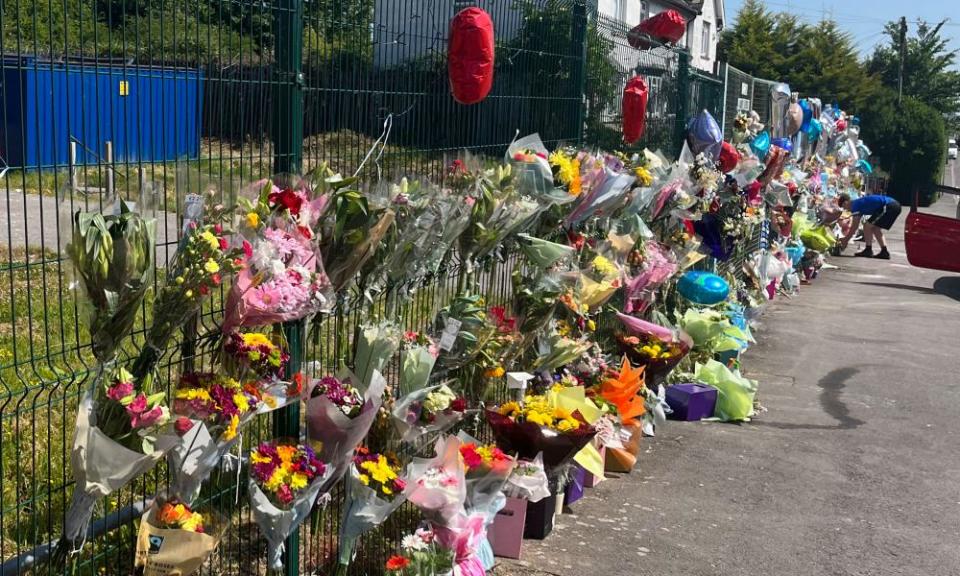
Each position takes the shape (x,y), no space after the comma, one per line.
(779,101)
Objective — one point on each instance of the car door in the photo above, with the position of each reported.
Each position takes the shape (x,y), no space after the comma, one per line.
(933,241)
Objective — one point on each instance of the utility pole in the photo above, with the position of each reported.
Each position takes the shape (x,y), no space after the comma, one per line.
(903,56)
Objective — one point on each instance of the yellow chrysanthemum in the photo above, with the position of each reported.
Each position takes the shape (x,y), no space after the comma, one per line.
(211,266)
(298,481)
(364,479)
(253,219)
(193,394)
(275,481)
(231,432)
(256,339)
(644,177)
(241,402)
(258,458)
(210,239)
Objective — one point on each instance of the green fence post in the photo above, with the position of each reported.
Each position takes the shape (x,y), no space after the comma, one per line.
(683,100)
(287,133)
(579,77)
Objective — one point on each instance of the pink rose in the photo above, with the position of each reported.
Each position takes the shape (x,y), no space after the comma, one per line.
(138,405)
(182,425)
(119,391)
(148,418)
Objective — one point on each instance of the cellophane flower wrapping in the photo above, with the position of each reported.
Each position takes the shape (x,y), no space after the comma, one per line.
(336,434)
(608,194)
(364,510)
(528,480)
(278,516)
(417,359)
(102,466)
(427,411)
(377,343)
(204,258)
(657,267)
(465,534)
(543,253)
(529,161)
(527,440)
(437,485)
(210,410)
(169,551)
(283,278)
(424,240)
(113,259)
(485,483)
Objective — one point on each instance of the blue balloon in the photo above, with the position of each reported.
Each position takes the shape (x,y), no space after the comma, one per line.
(761,144)
(815,130)
(705,136)
(703,288)
(807,115)
(784,143)
(855,121)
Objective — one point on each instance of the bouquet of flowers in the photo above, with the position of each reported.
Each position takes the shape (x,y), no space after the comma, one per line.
(464,327)
(543,253)
(253,355)
(528,480)
(536,426)
(437,485)
(113,258)
(374,490)
(283,278)
(211,408)
(376,344)
(421,555)
(658,356)
(174,539)
(423,241)
(119,436)
(285,479)
(416,361)
(339,416)
(203,259)
(528,161)
(654,266)
(429,410)
(608,191)
(465,534)
(487,470)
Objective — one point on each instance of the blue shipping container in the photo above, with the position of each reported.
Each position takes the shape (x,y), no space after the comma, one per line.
(149,113)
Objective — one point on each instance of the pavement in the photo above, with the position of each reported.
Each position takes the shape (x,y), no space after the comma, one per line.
(853,469)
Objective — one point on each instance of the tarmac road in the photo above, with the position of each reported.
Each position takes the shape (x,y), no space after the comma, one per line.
(854,469)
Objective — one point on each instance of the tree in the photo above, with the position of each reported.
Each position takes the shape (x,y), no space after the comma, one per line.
(929,68)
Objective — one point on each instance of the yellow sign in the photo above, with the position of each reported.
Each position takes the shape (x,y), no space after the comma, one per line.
(124,88)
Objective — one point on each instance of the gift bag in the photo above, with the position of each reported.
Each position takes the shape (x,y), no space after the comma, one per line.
(174,552)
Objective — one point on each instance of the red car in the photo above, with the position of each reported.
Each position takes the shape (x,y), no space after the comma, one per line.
(933,241)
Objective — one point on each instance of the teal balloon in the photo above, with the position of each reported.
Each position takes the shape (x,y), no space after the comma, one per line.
(703,288)
(761,144)
(864,167)
(815,130)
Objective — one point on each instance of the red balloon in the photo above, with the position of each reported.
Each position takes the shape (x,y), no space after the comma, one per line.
(666,27)
(634,109)
(729,157)
(470,55)
(841,125)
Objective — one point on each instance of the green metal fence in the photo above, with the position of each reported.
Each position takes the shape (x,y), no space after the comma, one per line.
(278,86)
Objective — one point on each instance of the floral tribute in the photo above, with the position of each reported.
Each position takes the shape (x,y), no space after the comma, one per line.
(217,399)
(257,354)
(378,472)
(283,471)
(175,515)
(341,394)
(421,554)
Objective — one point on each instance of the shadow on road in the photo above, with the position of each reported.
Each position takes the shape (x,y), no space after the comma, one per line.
(948,286)
(831,388)
(920,289)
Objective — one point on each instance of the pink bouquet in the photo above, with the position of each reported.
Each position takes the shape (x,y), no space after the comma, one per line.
(437,485)
(658,266)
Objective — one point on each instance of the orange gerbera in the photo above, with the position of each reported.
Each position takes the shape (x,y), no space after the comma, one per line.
(623,391)
(396,563)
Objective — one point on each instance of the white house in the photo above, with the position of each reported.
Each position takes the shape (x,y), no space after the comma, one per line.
(705,20)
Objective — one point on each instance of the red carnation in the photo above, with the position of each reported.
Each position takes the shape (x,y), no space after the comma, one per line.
(288,199)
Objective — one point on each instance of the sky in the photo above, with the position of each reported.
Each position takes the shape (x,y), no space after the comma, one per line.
(864,19)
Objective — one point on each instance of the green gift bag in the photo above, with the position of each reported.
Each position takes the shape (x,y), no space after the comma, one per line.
(735,393)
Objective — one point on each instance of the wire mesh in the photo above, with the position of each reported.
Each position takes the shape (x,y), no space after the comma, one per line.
(149,100)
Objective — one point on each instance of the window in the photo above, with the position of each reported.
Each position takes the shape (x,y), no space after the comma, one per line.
(644,10)
(706,40)
(688,40)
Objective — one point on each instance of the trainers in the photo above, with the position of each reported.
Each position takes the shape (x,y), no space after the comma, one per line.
(865,253)
(883,254)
